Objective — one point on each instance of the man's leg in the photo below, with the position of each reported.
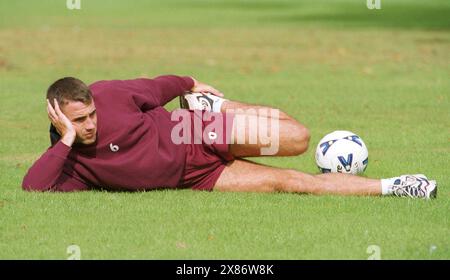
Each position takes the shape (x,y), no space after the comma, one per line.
(242,175)
(245,176)
(292,137)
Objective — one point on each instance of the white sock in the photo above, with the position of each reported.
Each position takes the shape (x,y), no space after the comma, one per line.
(217,103)
(386,185)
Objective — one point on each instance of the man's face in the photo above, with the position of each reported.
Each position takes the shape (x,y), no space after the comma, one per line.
(84,120)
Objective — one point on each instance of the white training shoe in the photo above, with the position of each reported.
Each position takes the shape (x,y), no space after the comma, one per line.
(196,101)
(200,101)
(415,186)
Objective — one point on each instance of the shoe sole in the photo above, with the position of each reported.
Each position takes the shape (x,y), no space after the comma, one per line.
(183,103)
(433,193)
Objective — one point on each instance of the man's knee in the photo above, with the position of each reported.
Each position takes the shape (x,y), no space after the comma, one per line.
(300,141)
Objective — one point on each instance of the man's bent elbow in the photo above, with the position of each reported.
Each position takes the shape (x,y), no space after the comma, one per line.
(28,185)
(30,188)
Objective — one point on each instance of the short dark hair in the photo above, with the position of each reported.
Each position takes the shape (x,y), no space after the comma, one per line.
(69,89)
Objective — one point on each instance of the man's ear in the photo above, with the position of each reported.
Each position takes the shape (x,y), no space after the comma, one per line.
(54,135)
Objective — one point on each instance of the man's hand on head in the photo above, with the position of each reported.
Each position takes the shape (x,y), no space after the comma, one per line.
(61,123)
(204,88)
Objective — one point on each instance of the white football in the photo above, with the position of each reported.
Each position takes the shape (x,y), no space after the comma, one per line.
(343,152)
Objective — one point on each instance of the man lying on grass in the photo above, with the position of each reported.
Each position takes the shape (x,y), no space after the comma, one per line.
(116,135)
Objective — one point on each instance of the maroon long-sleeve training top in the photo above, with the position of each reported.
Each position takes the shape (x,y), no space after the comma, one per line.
(133,150)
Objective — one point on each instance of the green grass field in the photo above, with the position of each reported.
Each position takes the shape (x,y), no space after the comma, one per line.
(383,74)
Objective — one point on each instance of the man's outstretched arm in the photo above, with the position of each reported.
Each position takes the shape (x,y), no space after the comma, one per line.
(46,174)
(163,89)
(150,93)
(170,87)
